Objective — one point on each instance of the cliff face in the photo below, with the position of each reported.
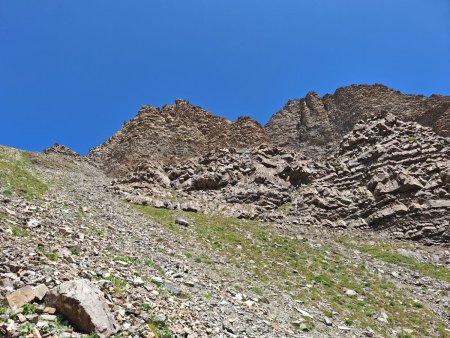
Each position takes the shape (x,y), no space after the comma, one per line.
(174,132)
(315,125)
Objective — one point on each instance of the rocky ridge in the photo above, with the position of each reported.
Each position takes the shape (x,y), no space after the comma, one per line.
(388,175)
(315,125)
(174,132)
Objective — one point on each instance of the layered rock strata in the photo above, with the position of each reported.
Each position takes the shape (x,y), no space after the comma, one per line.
(388,175)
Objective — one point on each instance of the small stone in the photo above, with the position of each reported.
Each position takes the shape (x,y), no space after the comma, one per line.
(327,321)
(21,318)
(304,313)
(36,333)
(40,291)
(182,222)
(138,281)
(48,318)
(350,293)
(20,297)
(303,327)
(49,310)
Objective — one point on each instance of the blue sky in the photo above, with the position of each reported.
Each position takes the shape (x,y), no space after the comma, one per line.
(73,71)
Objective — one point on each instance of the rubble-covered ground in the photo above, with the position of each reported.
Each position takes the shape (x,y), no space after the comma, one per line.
(174,273)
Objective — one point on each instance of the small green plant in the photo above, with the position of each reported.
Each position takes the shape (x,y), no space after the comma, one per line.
(50,254)
(118,283)
(258,291)
(75,250)
(26,328)
(149,262)
(98,232)
(159,328)
(3,308)
(412,139)
(202,258)
(145,307)
(207,295)
(91,335)
(56,327)
(29,309)
(19,232)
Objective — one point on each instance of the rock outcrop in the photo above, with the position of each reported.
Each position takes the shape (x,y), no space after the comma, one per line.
(242,183)
(388,175)
(83,304)
(173,133)
(61,150)
(315,125)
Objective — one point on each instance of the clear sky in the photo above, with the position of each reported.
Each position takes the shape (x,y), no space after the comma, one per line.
(73,71)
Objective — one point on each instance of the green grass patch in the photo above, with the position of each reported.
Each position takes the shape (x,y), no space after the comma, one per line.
(388,254)
(314,272)
(50,254)
(16,175)
(119,284)
(126,259)
(160,328)
(29,309)
(20,232)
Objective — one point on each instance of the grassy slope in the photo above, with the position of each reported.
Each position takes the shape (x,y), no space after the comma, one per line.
(16,175)
(314,273)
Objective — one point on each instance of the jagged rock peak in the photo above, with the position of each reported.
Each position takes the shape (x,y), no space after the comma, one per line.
(315,125)
(61,150)
(172,133)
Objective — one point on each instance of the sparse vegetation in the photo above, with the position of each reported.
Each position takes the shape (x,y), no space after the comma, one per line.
(50,254)
(29,309)
(24,329)
(388,254)
(16,175)
(313,272)
(126,259)
(145,307)
(118,283)
(20,232)
(159,328)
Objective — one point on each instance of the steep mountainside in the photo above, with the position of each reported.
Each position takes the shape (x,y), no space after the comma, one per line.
(388,175)
(72,255)
(178,131)
(315,125)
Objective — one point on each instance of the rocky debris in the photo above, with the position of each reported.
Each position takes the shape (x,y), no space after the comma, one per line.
(315,125)
(83,304)
(149,282)
(26,295)
(61,150)
(175,132)
(388,175)
(243,183)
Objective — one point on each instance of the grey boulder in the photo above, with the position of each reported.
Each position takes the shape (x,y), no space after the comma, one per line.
(84,305)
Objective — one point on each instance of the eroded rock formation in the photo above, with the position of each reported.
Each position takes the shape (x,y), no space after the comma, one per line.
(174,132)
(315,125)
